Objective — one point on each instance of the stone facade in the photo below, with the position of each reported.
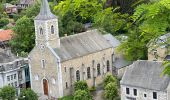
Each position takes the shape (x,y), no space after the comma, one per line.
(142,94)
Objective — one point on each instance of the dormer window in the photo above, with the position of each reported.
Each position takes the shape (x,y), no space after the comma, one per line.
(41,31)
(52,29)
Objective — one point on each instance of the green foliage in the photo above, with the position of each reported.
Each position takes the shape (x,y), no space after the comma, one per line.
(70,97)
(108,79)
(3,22)
(28,94)
(111,91)
(111,22)
(93,88)
(166,65)
(32,11)
(23,37)
(149,22)
(7,93)
(80,85)
(82,95)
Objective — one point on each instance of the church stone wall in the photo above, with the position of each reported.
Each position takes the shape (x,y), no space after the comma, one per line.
(81,64)
(38,73)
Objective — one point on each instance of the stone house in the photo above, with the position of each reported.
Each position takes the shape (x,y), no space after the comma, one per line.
(23,4)
(57,62)
(158,49)
(10,9)
(143,81)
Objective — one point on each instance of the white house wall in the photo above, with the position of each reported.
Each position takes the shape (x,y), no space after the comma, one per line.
(161,95)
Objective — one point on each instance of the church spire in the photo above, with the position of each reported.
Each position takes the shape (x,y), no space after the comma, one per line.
(45,12)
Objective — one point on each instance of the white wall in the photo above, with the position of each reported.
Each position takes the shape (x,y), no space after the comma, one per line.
(140,94)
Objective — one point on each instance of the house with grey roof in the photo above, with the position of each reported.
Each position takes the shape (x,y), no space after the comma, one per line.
(158,49)
(14,70)
(143,80)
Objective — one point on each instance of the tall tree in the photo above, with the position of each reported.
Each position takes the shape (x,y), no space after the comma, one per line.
(23,37)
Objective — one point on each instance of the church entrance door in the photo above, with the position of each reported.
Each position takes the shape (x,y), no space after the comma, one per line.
(45,86)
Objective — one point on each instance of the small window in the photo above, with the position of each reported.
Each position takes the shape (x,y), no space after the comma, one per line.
(11,77)
(15,76)
(41,31)
(65,69)
(16,84)
(154,95)
(98,69)
(66,85)
(127,91)
(145,95)
(43,63)
(8,78)
(135,92)
(78,75)
(88,73)
(52,29)
(108,66)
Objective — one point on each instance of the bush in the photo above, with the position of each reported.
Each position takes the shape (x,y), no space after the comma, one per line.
(3,22)
(70,97)
(108,79)
(111,91)
(80,85)
(93,88)
(28,94)
(82,95)
(8,93)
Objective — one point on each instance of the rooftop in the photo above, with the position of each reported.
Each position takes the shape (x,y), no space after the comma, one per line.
(81,44)
(145,74)
(5,35)
(45,12)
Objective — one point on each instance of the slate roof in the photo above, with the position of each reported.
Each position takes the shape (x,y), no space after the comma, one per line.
(5,58)
(121,62)
(27,1)
(145,74)
(45,12)
(110,38)
(81,44)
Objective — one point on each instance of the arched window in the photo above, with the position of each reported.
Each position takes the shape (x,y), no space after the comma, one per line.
(108,66)
(41,31)
(78,75)
(88,72)
(52,29)
(98,69)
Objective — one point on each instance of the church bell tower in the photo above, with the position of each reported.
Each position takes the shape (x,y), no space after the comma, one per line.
(46,27)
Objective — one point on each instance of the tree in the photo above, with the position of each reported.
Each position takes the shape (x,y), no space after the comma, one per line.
(80,85)
(108,79)
(82,95)
(149,22)
(3,22)
(23,37)
(112,22)
(8,93)
(111,91)
(28,94)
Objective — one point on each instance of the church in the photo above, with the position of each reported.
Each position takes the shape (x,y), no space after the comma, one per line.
(57,62)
